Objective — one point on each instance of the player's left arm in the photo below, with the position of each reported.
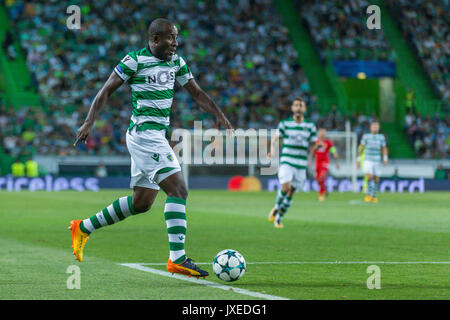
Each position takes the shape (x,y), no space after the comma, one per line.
(100,100)
(203,99)
(312,151)
(313,145)
(384,151)
(334,154)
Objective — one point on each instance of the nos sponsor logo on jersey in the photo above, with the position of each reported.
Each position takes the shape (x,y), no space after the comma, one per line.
(162,77)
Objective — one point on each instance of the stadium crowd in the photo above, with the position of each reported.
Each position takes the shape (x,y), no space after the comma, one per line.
(71,65)
(339,30)
(51,131)
(429,135)
(425,24)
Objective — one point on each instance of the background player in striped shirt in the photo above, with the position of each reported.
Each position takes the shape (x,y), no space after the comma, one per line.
(297,135)
(151,73)
(321,150)
(373,145)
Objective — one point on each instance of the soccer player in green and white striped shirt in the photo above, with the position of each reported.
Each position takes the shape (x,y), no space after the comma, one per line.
(297,134)
(373,145)
(151,73)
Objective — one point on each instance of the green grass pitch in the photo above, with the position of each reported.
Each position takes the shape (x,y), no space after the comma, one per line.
(36,246)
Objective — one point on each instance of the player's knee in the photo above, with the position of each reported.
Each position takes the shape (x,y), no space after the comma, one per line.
(285,187)
(141,206)
(291,192)
(179,192)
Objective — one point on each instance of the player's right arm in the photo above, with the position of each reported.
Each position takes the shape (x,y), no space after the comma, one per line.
(275,142)
(274,145)
(312,152)
(111,85)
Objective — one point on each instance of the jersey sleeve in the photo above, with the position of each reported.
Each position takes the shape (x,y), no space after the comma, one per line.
(383,141)
(127,67)
(331,147)
(313,135)
(184,74)
(364,140)
(281,129)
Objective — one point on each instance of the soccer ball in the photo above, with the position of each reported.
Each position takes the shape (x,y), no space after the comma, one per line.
(229,265)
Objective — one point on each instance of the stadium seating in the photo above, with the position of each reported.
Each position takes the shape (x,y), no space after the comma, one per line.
(339,31)
(428,34)
(251,76)
(71,67)
(429,135)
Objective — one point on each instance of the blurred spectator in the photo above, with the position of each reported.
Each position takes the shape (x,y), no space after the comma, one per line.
(439,173)
(101,171)
(8,46)
(395,176)
(31,167)
(428,135)
(410,101)
(18,169)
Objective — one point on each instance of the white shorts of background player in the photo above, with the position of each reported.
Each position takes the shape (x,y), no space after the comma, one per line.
(372,168)
(295,176)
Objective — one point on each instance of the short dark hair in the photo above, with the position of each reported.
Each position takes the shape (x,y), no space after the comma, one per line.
(298,99)
(158,26)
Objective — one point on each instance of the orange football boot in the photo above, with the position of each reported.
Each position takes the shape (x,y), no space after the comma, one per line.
(187,267)
(272,215)
(79,239)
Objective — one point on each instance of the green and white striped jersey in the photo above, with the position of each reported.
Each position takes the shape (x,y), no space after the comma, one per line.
(297,138)
(372,146)
(152,84)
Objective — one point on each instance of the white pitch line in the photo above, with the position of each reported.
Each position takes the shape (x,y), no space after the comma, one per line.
(139,266)
(314,262)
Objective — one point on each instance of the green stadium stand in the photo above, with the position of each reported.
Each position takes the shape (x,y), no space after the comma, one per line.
(5,162)
(409,70)
(410,75)
(314,70)
(331,90)
(398,144)
(16,75)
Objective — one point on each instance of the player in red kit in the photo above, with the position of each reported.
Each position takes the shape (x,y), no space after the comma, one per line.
(321,150)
